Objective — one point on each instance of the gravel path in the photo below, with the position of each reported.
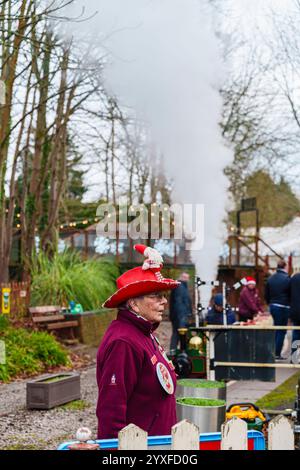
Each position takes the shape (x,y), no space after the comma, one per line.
(38,429)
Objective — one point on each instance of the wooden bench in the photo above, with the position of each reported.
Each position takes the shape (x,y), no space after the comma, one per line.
(51,319)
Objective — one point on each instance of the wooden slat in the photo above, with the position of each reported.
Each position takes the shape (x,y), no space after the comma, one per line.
(50,318)
(256,364)
(281,434)
(185,436)
(234,435)
(244,327)
(133,438)
(60,325)
(44,309)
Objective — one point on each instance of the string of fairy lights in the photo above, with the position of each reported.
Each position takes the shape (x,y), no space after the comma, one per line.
(87,222)
(69,225)
(92,220)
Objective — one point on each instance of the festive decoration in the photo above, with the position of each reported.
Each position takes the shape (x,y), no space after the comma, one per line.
(83,434)
(141,280)
(153,257)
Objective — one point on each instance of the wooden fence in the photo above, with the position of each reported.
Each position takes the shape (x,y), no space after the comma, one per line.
(19,299)
(185,436)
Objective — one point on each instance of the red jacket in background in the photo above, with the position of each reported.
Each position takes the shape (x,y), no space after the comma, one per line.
(129,388)
(249,304)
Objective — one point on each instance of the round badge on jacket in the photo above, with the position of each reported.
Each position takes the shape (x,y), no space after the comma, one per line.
(165,378)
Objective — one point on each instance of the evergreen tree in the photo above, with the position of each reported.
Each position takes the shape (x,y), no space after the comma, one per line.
(276,202)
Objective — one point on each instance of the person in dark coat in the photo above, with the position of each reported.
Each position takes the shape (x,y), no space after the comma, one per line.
(215,313)
(277,295)
(136,380)
(249,302)
(295,310)
(180,309)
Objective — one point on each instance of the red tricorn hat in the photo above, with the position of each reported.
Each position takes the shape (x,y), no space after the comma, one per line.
(141,280)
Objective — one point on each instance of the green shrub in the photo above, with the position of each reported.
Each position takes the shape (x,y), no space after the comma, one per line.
(200,402)
(47,349)
(30,352)
(67,277)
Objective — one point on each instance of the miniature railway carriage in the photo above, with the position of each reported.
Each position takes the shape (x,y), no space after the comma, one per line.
(190,359)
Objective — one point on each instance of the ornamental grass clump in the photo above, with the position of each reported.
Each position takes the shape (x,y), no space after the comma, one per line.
(199,402)
(66,276)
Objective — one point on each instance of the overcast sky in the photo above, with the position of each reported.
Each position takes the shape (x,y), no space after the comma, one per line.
(252,19)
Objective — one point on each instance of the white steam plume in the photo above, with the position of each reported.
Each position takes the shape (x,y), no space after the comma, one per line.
(164,62)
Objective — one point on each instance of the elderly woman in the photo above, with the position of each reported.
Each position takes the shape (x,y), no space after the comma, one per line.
(136,380)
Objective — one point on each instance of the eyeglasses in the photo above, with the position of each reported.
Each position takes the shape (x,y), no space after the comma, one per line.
(157,295)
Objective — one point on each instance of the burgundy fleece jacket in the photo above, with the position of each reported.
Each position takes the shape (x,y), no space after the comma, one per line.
(249,304)
(128,385)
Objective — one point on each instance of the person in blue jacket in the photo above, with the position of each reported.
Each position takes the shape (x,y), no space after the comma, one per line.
(278,297)
(215,313)
(180,309)
(295,313)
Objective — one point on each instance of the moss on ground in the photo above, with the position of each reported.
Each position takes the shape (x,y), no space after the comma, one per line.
(281,397)
(32,442)
(77,405)
(22,444)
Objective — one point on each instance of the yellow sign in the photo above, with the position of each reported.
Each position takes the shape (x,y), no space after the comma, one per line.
(6,300)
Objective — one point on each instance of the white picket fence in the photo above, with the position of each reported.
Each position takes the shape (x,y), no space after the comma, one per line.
(185,436)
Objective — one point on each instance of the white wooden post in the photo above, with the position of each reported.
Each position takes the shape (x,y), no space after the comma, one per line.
(234,435)
(132,438)
(185,436)
(2,93)
(281,434)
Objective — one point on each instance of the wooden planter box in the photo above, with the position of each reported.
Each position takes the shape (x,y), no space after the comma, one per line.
(52,390)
